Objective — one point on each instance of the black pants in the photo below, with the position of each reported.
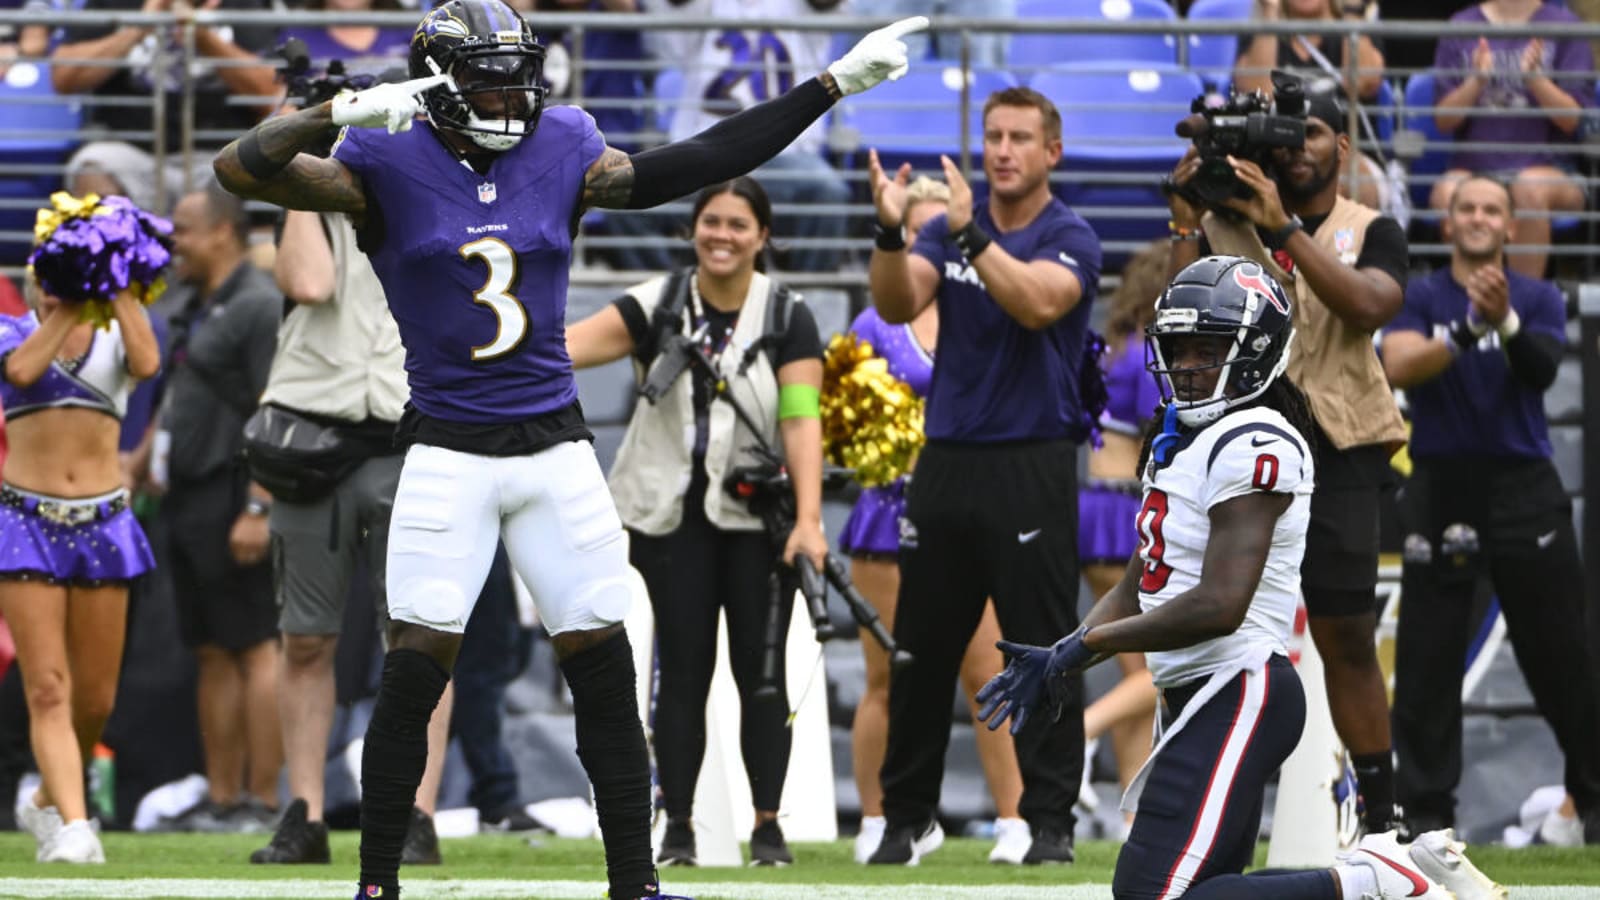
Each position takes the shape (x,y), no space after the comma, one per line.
(693,574)
(998,521)
(1520,521)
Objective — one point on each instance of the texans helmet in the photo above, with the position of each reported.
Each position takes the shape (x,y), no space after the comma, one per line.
(1228,297)
(490,52)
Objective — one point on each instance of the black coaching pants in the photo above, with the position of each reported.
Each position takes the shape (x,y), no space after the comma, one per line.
(1511,521)
(984,521)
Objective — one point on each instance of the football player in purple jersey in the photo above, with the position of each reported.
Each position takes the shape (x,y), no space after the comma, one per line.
(468,221)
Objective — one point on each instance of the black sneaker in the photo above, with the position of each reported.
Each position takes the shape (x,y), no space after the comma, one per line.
(767,847)
(677,845)
(512,820)
(296,841)
(422,842)
(906,845)
(1049,847)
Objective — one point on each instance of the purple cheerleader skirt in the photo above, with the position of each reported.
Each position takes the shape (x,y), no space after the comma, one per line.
(88,541)
(873,528)
(1108,512)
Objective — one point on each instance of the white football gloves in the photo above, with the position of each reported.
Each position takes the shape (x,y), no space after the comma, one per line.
(391,106)
(877,57)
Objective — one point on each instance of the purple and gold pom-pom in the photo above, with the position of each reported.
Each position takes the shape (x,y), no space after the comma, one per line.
(871,420)
(88,250)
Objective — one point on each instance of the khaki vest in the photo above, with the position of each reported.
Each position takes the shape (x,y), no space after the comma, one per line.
(651,472)
(1332,362)
(343,358)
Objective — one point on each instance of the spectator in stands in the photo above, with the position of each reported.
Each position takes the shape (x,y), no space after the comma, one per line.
(340,369)
(703,554)
(1109,501)
(1552,79)
(1344,264)
(992,511)
(728,70)
(118,63)
(222,350)
(1475,348)
(1314,55)
(364,49)
(113,169)
(988,49)
(871,538)
(27,41)
(72,545)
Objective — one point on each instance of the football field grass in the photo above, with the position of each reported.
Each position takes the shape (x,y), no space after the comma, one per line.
(214,866)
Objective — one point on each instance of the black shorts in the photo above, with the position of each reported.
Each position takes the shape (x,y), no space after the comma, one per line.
(220,603)
(1339,575)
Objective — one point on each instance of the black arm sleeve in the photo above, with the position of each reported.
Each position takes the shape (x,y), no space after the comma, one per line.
(1533,358)
(728,149)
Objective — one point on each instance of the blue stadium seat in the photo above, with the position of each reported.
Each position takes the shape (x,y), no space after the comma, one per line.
(1418,119)
(1211,56)
(36,129)
(1032,51)
(1117,131)
(919,117)
(667,90)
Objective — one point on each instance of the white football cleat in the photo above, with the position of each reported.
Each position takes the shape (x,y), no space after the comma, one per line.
(76,842)
(1399,877)
(41,823)
(1012,838)
(1443,858)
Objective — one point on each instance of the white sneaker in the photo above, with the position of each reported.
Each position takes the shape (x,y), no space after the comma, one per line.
(43,824)
(76,842)
(927,842)
(869,836)
(1012,838)
(1088,800)
(1444,859)
(1560,831)
(1398,875)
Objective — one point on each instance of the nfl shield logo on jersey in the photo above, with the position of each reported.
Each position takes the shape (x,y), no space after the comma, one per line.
(486,192)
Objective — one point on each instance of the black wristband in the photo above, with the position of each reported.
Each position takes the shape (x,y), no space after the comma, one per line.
(889,239)
(1462,335)
(971,240)
(1278,237)
(258,164)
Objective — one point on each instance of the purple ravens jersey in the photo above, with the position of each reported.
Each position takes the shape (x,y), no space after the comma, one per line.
(475,266)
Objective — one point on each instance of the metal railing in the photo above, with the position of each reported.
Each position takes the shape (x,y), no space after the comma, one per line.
(846,138)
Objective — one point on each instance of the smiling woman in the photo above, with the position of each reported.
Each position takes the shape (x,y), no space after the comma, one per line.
(700,551)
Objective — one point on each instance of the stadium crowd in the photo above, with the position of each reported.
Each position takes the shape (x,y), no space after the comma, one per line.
(1424,378)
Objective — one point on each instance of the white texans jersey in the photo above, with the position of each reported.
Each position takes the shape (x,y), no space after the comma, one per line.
(730,69)
(1254,449)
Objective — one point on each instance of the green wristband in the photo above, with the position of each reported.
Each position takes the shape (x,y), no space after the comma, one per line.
(799,401)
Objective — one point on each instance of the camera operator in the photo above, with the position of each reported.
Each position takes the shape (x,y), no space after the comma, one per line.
(702,553)
(1344,264)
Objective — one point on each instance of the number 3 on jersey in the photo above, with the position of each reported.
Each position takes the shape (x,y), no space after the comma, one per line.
(510,319)
(1152,546)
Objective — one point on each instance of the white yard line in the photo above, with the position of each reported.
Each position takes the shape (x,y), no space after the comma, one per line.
(426,889)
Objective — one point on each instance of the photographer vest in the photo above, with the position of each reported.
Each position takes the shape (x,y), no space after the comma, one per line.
(653,465)
(1331,361)
(341,359)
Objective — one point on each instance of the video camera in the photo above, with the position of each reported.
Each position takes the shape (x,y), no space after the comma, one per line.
(1248,126)
(308,86)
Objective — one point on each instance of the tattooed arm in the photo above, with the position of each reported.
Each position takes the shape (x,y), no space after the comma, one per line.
(728,149)
(267,164)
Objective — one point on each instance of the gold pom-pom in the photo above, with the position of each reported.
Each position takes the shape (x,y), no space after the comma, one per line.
(871,421)
(63,206)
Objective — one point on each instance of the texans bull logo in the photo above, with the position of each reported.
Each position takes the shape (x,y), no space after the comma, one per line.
(1257,282)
